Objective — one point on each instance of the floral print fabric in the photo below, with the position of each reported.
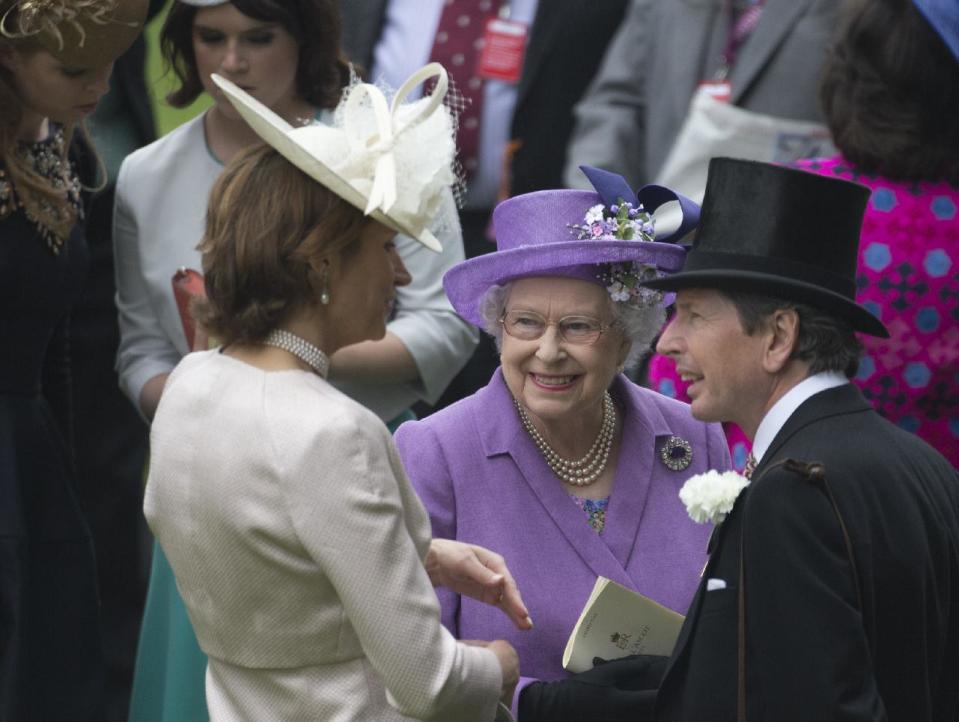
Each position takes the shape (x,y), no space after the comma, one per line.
(595,510)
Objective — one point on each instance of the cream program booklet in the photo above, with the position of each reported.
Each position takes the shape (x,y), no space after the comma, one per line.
(617,622)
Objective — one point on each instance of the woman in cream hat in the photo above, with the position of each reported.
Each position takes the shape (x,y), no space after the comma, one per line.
(285,54)
(55,62)
(296,539)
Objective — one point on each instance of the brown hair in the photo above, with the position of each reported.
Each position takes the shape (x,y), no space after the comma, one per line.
(321,72)
(889,92)
(266,222)
(825,342)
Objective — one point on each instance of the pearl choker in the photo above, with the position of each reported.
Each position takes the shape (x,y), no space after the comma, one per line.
(301,348)
(581,472)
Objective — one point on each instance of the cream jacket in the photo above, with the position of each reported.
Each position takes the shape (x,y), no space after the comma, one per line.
(297,545)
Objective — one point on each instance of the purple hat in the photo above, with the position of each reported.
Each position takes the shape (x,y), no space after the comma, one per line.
(605,237)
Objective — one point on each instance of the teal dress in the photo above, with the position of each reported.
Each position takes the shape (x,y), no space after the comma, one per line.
(169,681)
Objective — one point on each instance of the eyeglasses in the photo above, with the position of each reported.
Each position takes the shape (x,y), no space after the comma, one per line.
(529,326)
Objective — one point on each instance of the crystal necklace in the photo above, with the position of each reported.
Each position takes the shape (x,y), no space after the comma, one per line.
(584,471)
(301,348)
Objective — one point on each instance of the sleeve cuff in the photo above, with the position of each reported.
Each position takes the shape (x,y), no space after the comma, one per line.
(439,347)
(135,377)
(523,683)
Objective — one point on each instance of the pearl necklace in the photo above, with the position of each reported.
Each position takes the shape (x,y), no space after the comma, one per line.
(301,348)
(580,472)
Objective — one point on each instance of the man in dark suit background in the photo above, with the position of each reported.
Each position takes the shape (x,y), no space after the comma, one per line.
(524,126)
(832,587)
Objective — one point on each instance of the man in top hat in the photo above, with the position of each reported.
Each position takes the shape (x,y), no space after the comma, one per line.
(832,586)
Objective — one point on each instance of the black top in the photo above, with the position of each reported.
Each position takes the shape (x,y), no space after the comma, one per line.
(50,665)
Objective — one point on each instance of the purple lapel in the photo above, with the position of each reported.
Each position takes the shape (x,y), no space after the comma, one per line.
(507,435)
(638,473)
(634,472)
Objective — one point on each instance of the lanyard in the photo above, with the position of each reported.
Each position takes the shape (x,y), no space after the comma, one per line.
(741,26)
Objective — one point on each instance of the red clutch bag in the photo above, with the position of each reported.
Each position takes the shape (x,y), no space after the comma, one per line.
(187,285)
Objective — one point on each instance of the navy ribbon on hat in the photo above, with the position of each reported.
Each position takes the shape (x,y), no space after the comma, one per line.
(612,187)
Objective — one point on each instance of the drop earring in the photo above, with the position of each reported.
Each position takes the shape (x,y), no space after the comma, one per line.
(325,286)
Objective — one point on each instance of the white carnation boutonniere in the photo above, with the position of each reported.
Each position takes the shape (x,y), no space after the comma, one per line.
(710,497)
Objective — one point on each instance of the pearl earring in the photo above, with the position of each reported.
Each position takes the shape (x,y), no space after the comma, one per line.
(325,287)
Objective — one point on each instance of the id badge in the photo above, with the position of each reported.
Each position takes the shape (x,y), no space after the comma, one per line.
(717,89)
(504,45)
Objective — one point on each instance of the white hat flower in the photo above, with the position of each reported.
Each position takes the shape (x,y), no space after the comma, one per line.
(392,159)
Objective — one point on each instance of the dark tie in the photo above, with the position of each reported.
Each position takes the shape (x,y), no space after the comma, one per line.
(458,41)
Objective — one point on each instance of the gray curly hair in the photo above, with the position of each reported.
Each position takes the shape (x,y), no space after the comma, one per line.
(639,325)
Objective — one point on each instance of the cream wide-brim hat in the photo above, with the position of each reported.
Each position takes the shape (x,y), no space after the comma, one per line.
(369,146)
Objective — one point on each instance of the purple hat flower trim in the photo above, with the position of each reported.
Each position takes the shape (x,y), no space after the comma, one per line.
(622,221)
(618,219)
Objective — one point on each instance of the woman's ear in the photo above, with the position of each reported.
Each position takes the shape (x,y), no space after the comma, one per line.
(319,264)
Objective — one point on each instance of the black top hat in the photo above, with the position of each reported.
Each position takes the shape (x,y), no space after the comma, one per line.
(779,232)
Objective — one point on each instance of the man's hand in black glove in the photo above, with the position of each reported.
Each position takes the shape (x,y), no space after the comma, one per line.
(622,689)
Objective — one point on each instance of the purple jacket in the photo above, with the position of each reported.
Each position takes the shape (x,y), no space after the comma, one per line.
(483,481)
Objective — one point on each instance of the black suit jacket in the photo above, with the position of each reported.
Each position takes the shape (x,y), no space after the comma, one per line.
(829,635)
(566,44)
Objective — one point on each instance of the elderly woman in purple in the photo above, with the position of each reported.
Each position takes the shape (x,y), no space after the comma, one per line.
(560,463)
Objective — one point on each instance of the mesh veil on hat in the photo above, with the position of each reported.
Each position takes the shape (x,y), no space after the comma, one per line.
(79,33)
(779,232)
(369,147)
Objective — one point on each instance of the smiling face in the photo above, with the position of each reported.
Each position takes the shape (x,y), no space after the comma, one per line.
(261,57)
(50,89)
(552,378)
(362,286)
(724,365)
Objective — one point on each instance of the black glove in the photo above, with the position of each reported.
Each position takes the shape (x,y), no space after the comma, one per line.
(622,689)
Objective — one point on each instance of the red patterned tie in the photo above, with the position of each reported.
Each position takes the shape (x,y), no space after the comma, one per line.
(459,39)
(750,466)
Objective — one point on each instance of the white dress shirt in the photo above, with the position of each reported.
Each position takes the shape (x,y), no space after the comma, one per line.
(779,414)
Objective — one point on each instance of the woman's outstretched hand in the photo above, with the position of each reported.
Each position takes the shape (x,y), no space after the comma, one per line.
(476,572)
